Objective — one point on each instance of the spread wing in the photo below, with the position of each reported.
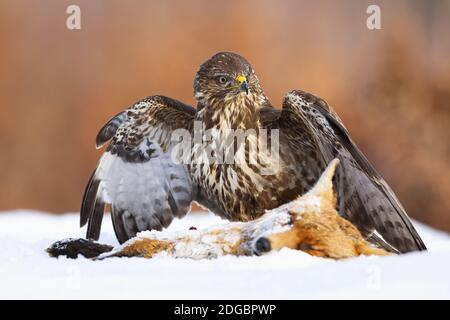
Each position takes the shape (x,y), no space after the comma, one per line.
(364,197)
(136,174)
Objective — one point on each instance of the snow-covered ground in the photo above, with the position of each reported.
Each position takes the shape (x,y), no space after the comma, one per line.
(26,271)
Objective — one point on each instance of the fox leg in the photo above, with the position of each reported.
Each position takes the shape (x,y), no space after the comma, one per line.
(365,248)
(143,247)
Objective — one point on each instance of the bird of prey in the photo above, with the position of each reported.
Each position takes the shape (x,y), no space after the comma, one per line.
(146,188)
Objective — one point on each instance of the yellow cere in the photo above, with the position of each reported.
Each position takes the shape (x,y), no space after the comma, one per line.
(241,79)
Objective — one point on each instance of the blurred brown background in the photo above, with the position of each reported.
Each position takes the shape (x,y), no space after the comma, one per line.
(391,86)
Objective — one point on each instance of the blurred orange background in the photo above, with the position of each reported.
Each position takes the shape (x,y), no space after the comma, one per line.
(391,87)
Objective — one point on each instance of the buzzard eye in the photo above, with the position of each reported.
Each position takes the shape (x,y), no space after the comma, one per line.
(222,79)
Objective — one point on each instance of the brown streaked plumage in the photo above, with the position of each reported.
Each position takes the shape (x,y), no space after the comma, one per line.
(146,189)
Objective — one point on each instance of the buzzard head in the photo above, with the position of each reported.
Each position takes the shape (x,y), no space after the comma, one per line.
(225,77)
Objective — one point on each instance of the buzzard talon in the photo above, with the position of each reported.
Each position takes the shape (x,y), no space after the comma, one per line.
(147,189)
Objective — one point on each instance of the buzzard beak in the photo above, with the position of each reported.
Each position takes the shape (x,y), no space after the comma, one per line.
(242,82)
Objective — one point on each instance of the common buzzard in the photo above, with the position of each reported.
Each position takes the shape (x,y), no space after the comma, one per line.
(146,188)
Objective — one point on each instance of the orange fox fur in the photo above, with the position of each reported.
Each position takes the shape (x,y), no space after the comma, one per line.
(310,223)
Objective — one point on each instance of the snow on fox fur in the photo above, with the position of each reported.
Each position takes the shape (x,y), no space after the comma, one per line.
(310,223)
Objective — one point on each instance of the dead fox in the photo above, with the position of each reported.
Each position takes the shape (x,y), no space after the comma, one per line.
(310,224)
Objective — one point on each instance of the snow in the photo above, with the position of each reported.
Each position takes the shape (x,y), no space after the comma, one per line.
(27,272)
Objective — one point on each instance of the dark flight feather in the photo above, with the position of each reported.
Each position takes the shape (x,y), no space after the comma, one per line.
(89,197)
(109,129)
(367,199)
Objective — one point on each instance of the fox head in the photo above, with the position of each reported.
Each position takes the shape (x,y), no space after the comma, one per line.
(316,227)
